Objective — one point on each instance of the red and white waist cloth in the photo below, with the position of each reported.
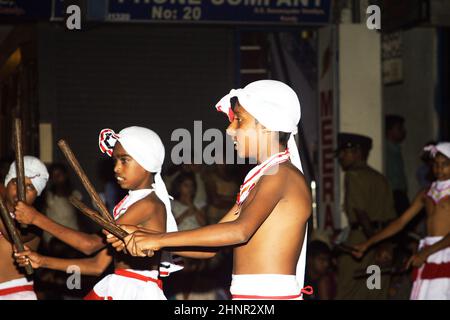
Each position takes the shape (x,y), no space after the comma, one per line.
(432,279)
(267,287)
(127,284)
(17,289)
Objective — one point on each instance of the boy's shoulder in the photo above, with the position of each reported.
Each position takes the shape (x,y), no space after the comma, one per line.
(284,170)
(284,174)
(149,203)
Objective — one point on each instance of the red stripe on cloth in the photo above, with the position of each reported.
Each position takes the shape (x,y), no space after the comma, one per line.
(137,276)
(306,290)
(5,292)
(433,271)
(250,297)
(439,200)
(268,163)
(93,296)
(115,213)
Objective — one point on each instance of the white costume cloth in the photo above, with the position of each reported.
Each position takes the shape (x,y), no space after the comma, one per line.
(34,169)
(442,147)
(127,284)
(132,284)
(439,190)
(266,287)
(276,106)
(17,289)
(145,146)
(432,279)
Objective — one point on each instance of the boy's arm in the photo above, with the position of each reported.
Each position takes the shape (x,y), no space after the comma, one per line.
(396,225)
(84,242)
(262,200)
(195,253)
(89,266)
(153,216)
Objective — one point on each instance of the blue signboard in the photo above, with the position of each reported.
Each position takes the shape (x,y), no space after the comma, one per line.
(285,12)
(19,10)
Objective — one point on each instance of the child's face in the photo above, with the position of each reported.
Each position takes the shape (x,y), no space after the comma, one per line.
(245,131)
(441,167)
(321,263)
(12,195)
(129,174)
(58,177)
(187,188)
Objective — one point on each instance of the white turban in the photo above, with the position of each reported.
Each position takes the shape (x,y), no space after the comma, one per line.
(34,169)
(442,147)
(274,104)
(145,146)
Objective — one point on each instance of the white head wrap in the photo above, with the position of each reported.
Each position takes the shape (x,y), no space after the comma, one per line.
(276,106)
(145,146)
(35,170)
(442,147)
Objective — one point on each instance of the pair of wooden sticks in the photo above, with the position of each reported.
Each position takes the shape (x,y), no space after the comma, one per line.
(104,219)
(21,192)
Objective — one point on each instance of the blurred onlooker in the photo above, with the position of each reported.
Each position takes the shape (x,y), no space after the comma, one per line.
(395,167)
(58,208)
(57,204)
(318,272)
(187,215)
(222,189)
(191,282)
(369,206)
(198,171)
(401,281)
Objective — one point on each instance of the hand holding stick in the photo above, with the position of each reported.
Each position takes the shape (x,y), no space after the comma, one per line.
(9,224)
(85,180)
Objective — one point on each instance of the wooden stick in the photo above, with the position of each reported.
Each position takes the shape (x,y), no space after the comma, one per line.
(93,215)
(20,168)
(63,145)
(9,224)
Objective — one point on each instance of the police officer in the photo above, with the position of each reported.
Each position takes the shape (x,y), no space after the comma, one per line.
(369,206)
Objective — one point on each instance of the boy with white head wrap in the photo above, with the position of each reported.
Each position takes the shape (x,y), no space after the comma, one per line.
(272,208)
(146,148)
(431,264)
(139,154)
(34,169)
(14,285)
